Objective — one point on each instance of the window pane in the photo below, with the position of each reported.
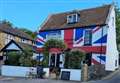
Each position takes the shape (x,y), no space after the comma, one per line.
(74,18)
(54,35)
(88,37)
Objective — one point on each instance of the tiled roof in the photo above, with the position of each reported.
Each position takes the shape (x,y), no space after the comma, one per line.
(22,46)
(14,31)
(88,17)
(25,46)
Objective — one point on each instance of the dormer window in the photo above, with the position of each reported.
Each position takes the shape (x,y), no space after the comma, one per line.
(72,18)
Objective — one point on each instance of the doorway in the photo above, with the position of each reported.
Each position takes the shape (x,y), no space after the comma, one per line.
(54,60)
(88,59)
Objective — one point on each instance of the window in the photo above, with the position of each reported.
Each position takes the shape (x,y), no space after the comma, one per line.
(73,18)
(116,63)
(54,35)
(88,37)
(24,41)
(113,21)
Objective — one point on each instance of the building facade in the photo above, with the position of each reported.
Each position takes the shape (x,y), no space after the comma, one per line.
(91,30)
(8,33)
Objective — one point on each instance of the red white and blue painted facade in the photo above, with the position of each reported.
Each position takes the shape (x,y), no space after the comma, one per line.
(103,41)
(74,38)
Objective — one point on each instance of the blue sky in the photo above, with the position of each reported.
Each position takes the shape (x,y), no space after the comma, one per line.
(31,14)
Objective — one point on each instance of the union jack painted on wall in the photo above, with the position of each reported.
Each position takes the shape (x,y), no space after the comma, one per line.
(74,38)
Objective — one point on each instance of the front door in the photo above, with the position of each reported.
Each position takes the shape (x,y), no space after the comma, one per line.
(54,60)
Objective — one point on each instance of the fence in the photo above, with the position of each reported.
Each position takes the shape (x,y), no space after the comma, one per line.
(18,71)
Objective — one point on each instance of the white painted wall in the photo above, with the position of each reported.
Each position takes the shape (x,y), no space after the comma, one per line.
(111,51)
(15,71)
(13,46)
(75,74)
(19,71)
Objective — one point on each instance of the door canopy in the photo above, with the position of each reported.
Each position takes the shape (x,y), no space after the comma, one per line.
(55,50)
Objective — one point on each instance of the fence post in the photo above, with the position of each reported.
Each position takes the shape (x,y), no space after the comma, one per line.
(84,73)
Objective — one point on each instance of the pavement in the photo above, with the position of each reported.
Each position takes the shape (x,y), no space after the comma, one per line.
(112,78)
(6,78)
(36,81)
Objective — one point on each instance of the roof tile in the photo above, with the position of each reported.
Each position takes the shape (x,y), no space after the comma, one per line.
(88,17)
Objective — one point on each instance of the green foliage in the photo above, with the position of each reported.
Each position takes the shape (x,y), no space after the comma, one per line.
(13,58)
(29,32)
(8,23)
(21,58)
(46,58)
(25,61)
(54,43)
(117,10)
(26,58)
(73,59)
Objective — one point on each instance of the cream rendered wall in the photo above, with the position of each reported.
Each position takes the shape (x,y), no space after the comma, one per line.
(111,51)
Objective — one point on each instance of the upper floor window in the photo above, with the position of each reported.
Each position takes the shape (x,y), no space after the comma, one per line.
(88,37)
(53,35)
(24,41)
(72,18)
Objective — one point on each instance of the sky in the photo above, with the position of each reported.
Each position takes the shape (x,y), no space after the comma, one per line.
(31,14)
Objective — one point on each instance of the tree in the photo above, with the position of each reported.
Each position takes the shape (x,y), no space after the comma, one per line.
(26,58)
(117,10)
(52,43)
(29,32)
(13,58)
(8,23)
(73,59)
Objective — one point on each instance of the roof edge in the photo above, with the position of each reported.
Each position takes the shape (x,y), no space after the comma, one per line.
(72,28)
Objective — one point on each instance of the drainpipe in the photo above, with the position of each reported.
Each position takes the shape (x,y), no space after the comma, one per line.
(101,45)
(100,66)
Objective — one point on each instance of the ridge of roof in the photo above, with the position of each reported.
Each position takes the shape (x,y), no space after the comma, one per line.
(14,31)
(89,16)
(84,9)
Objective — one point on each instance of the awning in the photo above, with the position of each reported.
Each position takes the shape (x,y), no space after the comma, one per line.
(55,50)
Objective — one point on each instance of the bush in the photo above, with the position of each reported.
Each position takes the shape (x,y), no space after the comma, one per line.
(13,58)
(73,59)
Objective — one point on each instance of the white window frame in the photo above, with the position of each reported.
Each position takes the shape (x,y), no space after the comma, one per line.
(53,36)
(72,18)
(84,37)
